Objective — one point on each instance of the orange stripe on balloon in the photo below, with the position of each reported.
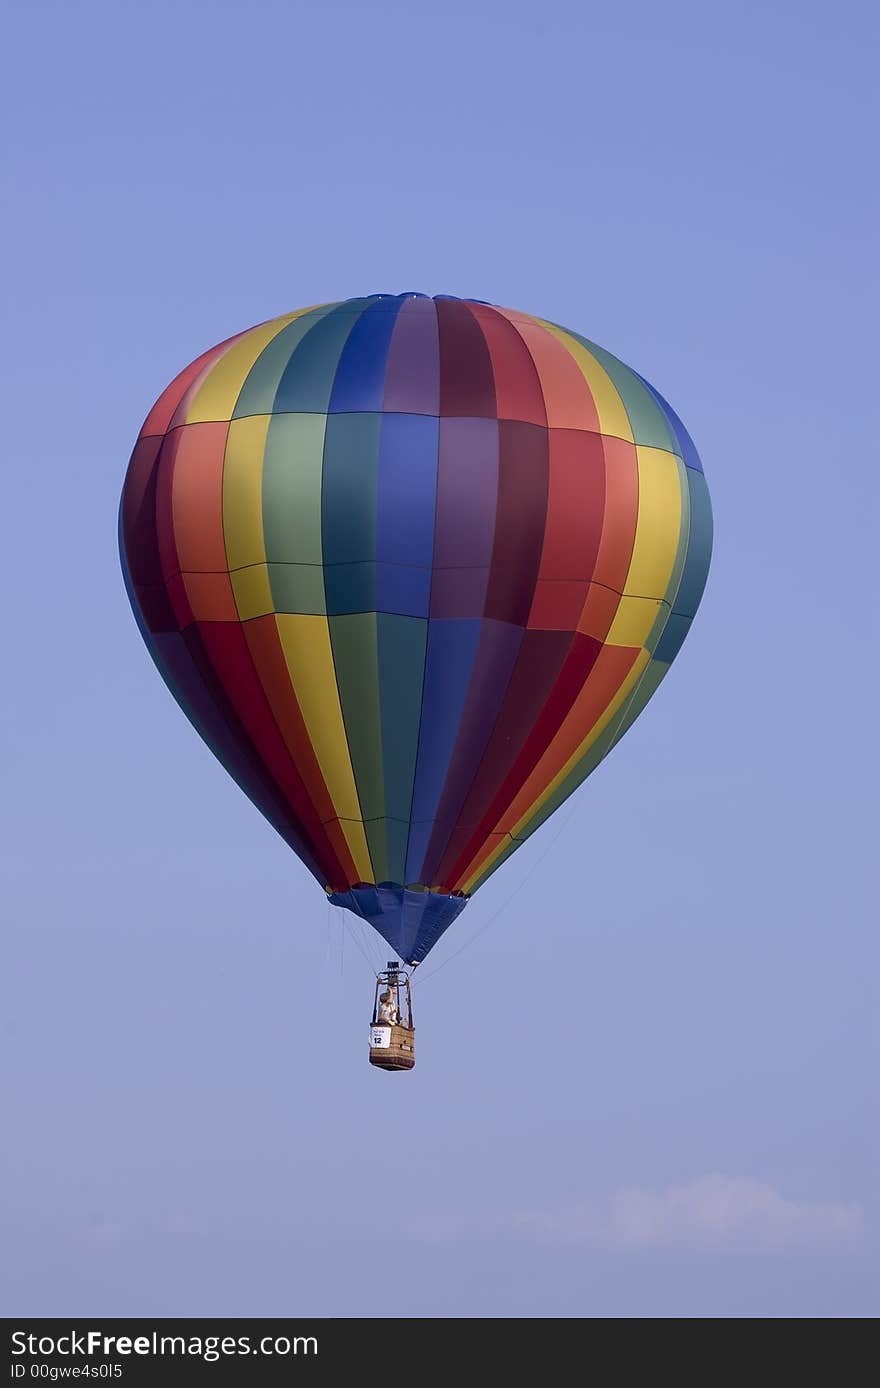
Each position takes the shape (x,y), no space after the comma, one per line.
(197,498)
(599,611)
(567,396)
(621,513)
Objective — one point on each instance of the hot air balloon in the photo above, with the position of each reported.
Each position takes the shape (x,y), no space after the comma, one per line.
(412,566)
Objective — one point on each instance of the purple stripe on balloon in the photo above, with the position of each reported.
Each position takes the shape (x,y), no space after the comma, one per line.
(495,659)
(537,674)
(467,497)
(412,373)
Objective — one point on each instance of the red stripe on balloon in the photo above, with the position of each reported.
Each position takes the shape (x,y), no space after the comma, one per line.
(467,382)
(165,530)
(520,519)
(138,513)
(575,505)
(518,391)
(182,658)
(230,657)
(575,511)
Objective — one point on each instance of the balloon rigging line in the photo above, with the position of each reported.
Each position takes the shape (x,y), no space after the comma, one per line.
(328,937)
(360,946)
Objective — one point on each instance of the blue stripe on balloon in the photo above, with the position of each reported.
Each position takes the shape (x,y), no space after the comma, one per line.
(699,550)
(348,512)
(452,648)
(689,454)
(670,643)
(406,503)
(360,375)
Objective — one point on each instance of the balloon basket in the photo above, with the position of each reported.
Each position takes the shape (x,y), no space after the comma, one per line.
(392,1031)
(393,1048)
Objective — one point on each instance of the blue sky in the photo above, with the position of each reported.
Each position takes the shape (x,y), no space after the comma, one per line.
(685,1125)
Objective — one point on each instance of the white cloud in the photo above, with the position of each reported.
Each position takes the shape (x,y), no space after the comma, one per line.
(711,1211)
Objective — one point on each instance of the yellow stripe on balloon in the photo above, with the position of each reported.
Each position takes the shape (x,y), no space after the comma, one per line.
(305,640)
(658,524)
(613,418)
(215,399)
(253,592)
(243,516)
(481,864)
(243,491)
(634,620)
(674,583)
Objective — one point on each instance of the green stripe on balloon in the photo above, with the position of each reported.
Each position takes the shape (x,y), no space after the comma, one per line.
(292,470)
(257,395)
(402,643)
(307,382)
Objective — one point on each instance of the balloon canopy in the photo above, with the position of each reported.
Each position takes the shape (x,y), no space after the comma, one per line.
(411,567)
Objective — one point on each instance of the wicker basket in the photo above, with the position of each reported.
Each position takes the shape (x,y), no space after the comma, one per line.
(392,1047)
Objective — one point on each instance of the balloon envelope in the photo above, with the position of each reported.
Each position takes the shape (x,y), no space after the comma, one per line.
(411,567)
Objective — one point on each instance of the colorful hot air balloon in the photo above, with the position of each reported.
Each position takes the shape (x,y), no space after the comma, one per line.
(411,567)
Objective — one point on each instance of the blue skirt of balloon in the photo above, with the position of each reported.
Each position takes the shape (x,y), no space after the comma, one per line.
(411,922)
